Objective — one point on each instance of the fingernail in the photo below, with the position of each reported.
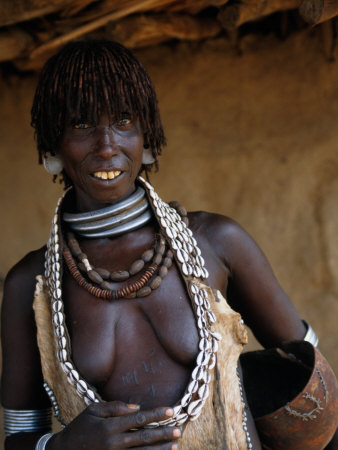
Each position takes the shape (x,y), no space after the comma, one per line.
(133,406)
(177,432)
(169,412)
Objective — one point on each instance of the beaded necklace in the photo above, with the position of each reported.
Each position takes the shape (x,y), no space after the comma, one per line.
(191,264)
(150,279)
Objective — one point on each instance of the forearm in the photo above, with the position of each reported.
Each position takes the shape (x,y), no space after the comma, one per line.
(23,441)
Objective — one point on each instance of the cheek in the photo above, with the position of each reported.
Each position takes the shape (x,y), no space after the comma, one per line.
(71,154)
(138,151)
(68,162)
(72,167)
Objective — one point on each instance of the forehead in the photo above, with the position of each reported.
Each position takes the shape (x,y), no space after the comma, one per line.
(90,99)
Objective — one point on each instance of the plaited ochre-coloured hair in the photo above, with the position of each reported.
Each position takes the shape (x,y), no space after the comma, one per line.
(89,78)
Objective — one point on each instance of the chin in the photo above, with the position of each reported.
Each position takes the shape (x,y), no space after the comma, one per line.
(96,200)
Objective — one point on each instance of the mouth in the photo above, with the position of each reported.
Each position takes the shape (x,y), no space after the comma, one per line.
(107,175)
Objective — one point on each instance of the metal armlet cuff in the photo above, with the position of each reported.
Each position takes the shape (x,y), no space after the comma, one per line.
(41,444)
(310,335)
(27,420)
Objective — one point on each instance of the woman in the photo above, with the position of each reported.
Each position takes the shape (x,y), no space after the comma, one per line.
(120,292)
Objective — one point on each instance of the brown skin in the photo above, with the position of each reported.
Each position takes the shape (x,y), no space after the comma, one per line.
(138,351)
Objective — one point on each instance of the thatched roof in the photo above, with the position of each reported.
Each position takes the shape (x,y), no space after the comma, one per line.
(31,30)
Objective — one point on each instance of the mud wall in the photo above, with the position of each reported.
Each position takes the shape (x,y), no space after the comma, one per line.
(253,136)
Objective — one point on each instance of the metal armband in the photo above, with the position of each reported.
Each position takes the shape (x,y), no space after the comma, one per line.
(310,335)
(27,420)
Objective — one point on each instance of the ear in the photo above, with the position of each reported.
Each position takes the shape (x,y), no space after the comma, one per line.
(52,163)
(147,156)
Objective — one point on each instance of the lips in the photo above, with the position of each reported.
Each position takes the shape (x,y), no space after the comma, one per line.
(106,175)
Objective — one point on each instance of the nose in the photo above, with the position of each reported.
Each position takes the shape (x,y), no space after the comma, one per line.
(106,145)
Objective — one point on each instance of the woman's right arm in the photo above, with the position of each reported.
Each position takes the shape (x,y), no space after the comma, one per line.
(100,426)
(22,383)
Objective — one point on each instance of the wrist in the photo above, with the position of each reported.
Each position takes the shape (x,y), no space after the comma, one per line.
(55,442)
(43,442)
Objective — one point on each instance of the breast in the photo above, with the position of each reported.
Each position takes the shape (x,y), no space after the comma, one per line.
(171,316)
(134,350)
(146,370)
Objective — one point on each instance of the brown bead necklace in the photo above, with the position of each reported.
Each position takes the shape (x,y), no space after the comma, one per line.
(159,260)
(128,291)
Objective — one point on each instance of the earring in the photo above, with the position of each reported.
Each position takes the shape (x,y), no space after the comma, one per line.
(52,164)
(147,157)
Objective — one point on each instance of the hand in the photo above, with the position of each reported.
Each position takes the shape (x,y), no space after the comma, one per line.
(106,426)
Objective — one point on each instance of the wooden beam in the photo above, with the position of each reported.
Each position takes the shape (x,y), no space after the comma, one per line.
(87,28)
(217,2)
(188,6)
(99,10)
(141,31)
(317,11)
(15,11)
(74,7)
(94,25)
(234,14)
(108,6)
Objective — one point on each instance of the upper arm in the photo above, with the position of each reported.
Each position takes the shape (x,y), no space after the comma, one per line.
(22,382)
(252,288)
(255,291)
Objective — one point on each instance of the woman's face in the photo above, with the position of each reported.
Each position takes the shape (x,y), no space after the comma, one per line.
(102,159)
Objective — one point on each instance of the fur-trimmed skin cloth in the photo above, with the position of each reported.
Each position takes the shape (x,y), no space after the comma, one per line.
(220,424)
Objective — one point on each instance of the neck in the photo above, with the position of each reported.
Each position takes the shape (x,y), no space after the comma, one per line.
(86,203)
(113,220)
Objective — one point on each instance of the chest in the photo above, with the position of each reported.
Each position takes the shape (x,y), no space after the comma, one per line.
(128,347)
(122,345)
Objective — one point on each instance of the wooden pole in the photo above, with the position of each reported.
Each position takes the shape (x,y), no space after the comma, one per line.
(217,2)
(317,11)
(235,14)
(143,30)
(94,25)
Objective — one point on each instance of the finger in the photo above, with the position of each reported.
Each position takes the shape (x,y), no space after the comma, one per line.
(141,418)
(150,436)
(170,446)
(112,409)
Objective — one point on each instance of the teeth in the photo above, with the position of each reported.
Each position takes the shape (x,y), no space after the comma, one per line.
(107,175)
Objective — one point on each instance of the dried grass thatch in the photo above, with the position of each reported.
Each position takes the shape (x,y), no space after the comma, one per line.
(31,30)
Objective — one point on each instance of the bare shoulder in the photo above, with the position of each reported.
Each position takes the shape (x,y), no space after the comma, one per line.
(32,263)
(206,222)
(20,283)
(221,233)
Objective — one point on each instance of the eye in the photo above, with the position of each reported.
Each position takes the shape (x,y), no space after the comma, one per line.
(125,121)
(81,126)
